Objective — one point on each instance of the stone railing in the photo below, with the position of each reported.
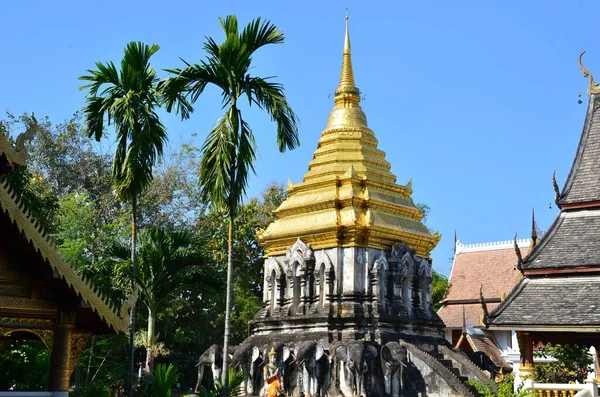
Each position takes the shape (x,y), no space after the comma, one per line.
(449,377)
(589,388)
(466,366)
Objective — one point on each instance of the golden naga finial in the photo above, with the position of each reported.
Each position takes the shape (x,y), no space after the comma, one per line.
(593,88)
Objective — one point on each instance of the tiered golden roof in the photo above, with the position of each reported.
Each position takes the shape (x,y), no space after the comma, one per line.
(348,197)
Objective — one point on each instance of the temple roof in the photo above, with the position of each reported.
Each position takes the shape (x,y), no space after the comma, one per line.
(489,266)
(582,184)
(570,303)
(571,242)
(349,196)
(12,207)
(554,294)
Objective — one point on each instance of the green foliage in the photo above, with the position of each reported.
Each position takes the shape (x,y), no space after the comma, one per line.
(25,365)
(505,388)
(247,254)
(229,150)
(234,385)
(96,390)
(160,383)
(128,99)
(571,365)
(439,287)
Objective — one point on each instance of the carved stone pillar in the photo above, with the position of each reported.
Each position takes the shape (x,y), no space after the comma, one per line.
(526,367)
(67,348)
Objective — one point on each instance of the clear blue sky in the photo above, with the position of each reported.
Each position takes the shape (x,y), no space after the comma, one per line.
(476,101)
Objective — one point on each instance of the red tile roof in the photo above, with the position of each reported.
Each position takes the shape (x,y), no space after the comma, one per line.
(492,266)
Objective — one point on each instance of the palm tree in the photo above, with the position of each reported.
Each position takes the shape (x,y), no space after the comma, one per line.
(168,263)
(228,152)
(127,99)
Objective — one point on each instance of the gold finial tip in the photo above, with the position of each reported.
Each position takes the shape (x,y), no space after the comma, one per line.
(346,14)
(593,87)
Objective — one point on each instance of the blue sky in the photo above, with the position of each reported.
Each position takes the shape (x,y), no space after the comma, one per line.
(476,101)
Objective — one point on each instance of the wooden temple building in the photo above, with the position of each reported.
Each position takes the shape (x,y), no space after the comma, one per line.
(41,296)
(484,271)
(557,299)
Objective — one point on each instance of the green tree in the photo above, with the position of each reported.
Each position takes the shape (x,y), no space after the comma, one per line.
(168,262)
(128,98)
(439,287)
(228,152)
(572,362)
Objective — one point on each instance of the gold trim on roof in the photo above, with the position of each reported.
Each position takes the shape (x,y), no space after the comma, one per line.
(15,209)
(349,196)
(593,87)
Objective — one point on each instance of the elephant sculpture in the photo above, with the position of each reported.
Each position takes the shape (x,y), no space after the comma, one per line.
(247,358)
(313,368)
(354,359)
(212,357)
(394,359)
(484,362)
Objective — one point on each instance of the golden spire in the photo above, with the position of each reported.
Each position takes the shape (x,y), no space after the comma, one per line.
(346,89)
(349,196)
(347,111)
(593,88)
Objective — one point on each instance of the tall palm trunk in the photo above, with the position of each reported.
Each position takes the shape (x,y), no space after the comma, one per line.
(150,340)
(232,204)
(225,377)
(131,316)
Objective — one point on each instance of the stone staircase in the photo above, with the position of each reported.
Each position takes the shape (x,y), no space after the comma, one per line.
(445,368)
(456,371)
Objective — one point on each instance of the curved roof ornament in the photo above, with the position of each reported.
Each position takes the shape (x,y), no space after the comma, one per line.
(593,88)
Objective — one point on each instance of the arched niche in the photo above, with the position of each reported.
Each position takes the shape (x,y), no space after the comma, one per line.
(273,285)
(324,277)
(379,272)
(407,266)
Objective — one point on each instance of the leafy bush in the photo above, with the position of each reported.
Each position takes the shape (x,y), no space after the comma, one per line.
(96,390)
(160,383)
(571,365)
(505,388)
(234,386)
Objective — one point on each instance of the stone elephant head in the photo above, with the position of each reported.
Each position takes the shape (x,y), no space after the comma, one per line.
(357,358)
(247,357)
(212,357)
(394,358)
(313,366)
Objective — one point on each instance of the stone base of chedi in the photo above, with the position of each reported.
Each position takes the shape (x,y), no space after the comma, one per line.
(349,322)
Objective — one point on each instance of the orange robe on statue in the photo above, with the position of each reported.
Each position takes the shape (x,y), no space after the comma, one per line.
(274,386)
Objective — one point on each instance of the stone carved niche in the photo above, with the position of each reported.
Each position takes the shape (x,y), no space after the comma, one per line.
(409,282)
(424,280)
(299,264)
(274,286)
(324,275)
(379,281)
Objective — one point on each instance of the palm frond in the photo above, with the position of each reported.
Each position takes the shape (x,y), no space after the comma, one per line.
(217,163)
(127,98)
(246,154)
(270,97)
(260,33)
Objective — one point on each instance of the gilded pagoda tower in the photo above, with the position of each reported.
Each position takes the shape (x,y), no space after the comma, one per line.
(348,249)
(347,279)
